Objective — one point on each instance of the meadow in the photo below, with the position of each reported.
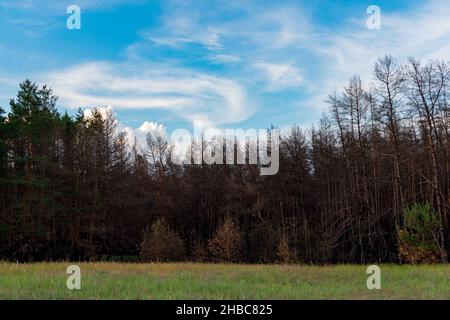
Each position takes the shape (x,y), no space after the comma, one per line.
(221,281)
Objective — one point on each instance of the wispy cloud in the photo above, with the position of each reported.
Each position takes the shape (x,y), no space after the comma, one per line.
(224,58)
(190,95)
(280,76)
(36,18)
(229,27)
(58,7)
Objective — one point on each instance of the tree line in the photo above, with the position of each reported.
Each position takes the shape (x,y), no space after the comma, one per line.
(369,183)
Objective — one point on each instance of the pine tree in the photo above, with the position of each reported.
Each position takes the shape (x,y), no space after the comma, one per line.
(160,243)
(226,244)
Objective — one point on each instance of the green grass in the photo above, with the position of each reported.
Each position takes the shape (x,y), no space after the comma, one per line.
(221,281)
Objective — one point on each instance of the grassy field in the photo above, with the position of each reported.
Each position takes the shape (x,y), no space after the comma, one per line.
(221,281)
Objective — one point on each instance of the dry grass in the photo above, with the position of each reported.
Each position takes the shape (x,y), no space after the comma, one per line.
(221,281)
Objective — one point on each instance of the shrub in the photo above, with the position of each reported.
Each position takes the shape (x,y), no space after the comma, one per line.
(159,243)
(418,239)
(226,244)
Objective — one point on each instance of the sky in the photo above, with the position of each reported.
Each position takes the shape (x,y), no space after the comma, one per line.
(161,65)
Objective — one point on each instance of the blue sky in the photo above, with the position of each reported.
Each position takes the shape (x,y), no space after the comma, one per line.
(229,64)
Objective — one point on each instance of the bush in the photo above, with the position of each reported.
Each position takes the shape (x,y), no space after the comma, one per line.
(159,243)
(226,244)
(418,239)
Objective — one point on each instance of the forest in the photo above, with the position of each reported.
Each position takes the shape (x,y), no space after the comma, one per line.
(370,182)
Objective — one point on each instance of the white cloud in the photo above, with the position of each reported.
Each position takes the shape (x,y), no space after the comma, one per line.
(224,58)
(138,134)
(105,112)
(250,29)
(179,29)
(280,76)
(151,127)
(189,95)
